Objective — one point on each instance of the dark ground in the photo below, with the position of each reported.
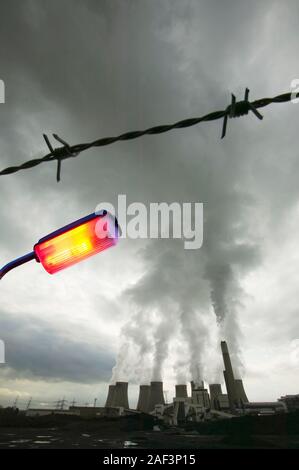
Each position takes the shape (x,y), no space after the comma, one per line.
(17,431)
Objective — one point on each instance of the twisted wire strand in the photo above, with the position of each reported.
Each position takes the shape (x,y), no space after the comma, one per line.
(65,152)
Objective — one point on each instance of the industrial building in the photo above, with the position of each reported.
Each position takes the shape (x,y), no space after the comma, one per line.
(201,404)
(291,402)
(34,412)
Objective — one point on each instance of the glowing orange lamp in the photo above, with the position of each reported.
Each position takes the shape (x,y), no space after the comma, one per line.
(71,244)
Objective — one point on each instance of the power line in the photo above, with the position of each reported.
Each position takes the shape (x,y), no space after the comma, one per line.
(235,109)
(15,402)
(29,403)
(60,404)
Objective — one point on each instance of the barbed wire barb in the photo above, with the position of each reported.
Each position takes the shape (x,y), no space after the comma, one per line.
(237,109)
(59,153)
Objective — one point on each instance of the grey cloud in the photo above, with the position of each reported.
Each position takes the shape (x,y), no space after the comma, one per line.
(35,349)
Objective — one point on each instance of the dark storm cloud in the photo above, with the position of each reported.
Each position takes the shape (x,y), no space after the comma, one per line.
(96,68)
(34,349)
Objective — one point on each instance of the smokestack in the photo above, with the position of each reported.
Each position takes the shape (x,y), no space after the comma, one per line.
(144,398)
(215,391)
(156,395)
(242,397)
(181,391)
(229,377)
(110,396)
(121,395)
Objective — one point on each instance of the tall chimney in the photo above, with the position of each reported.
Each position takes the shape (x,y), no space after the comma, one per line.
(229,377)
(181,391)
(144,398)
(156,395)
(121,395)
(110,396)
(215,391)
(242,397)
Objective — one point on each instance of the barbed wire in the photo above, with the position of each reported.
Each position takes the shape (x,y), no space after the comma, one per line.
(235,109)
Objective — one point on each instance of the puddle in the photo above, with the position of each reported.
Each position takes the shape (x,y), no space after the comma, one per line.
(85,435)
(21,441)
(41,442)
(130,444)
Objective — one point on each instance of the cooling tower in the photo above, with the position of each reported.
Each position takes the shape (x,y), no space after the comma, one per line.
(181,414)
(215,391)
(110,396)
(144,398)
(156,395)
(181,391)
(229,377)
(197,385)
(121,395)
(242,397)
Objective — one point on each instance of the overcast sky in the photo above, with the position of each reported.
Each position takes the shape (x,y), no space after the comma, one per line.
(149,309)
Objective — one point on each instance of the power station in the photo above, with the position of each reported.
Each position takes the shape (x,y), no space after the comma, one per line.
(201,404)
